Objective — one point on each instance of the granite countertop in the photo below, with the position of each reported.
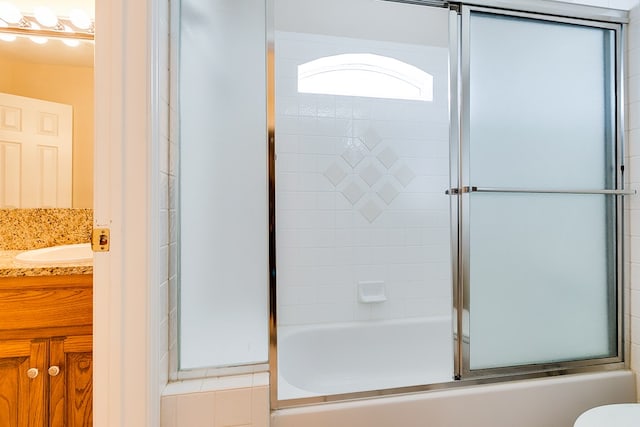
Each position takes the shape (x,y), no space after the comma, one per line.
(9,267)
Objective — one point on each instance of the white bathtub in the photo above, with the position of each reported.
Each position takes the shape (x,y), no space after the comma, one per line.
(333,359)
(330,359)
(548,402)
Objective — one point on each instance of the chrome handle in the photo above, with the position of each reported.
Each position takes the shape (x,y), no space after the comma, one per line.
(54,370)
(32,372)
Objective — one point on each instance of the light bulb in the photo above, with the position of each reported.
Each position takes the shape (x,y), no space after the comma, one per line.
(80,19)
(37,39)
(70,42)
(10,13)
(45,16)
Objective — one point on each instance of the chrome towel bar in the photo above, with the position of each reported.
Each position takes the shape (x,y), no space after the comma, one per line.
(472,189)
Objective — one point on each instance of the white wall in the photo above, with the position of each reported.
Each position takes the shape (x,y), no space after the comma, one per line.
(195,404)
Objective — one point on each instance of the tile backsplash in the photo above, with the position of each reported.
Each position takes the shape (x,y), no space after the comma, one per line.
(25,229)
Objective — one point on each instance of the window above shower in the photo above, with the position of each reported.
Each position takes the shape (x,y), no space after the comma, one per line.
(367,75)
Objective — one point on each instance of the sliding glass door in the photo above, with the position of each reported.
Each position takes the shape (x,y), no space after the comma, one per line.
(384,280)
(361,161)
(540,202)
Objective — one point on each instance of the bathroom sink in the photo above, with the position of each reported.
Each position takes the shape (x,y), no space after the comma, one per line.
(63,254)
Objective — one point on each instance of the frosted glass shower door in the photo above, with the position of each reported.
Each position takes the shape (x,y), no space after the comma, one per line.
(362,222)
(541,201)
(223,256)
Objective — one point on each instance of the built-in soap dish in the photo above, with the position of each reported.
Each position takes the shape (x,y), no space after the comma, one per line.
(371,292)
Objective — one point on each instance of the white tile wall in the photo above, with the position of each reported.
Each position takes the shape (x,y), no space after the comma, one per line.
(199,404)
(360,190)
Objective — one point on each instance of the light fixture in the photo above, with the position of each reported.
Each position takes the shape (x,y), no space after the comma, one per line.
(10,13)
(70,42)
(37,39)
(43,24)
(45,16)
(80,19)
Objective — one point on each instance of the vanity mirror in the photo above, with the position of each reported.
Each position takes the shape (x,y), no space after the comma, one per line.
(46,89)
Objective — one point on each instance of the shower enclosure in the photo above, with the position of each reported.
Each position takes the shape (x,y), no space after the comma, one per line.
(446,185)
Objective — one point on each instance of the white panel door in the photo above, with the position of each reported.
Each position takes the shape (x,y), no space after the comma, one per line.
(35,153)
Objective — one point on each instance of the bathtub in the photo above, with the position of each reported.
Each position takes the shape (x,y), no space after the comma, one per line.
(320,360)
(333,359)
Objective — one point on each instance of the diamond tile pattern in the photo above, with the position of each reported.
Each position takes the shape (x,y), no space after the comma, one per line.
(353,192)
(371,138)
(370,174)
(370,210)
(335,174)
(377,169)
(388,192)
(388,157)
(404,175)
(354,153)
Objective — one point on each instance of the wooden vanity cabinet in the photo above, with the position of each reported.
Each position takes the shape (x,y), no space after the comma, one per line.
(46,365)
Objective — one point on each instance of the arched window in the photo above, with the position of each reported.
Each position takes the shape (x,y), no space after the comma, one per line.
(365,74)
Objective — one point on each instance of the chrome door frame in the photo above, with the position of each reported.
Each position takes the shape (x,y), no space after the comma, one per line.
(466,188)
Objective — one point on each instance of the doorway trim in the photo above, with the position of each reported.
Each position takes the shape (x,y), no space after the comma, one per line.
(126,300)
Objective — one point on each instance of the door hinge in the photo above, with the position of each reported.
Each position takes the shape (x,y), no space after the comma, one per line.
(100,239)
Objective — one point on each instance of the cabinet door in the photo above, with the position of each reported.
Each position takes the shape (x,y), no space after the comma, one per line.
(22,399)
(71,385)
